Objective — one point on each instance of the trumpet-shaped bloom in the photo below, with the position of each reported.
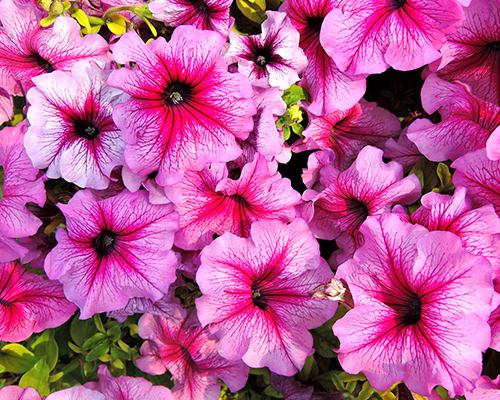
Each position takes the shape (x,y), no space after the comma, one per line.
(113,250)
(256,294)
(273,55)
(467,121)
(367,37)
(72,131)
(213,204)
(330,89)
(421,309)
(189,352)
(29,303)
(185,109)
(18,186)
(202,14)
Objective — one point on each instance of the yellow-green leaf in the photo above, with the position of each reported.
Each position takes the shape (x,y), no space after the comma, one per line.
(17,358)
(47,21)
(45,347)
(254,10)
(38,378)
(117,24)
(82,18)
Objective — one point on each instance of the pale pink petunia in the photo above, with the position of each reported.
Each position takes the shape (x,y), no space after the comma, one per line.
(11,249)
(256,294)
(347,132)
(71,126)
(421,309)
(486,389)
(211,203)
(330,89)
(466,124)
(77,393)
(369,36)
(472,54)
(6,106)
(19,393)
(494,322)
(127,387)
(202,14)
(29,303)
(189,352)
(315,164)
(113,250)
(185,109)
(402,150)
(274,55)
(28,50)
(19,184)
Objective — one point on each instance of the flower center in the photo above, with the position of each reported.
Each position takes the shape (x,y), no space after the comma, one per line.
(176,93)
(201,6)
(42,62)
(495,47)
(105,243)
(400,3)
(4,303)
(258,298)
(413,310)
(86,129)
(315,23)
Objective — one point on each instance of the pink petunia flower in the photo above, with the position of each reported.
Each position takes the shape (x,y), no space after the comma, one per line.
(28,50)
(256,295)
(74,393)
(472,54)
(421,309)
(403,151)
(72,131)
(211,203)
(330,89)
(186,110)
(467,121)
(486,389)
(29,303)
(113,250)
(369,36)
(202,14)
(189,352)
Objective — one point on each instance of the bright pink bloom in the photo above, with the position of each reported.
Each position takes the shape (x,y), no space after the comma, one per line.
(369,36)
(28,50)
(472,54)
(72,131)
(113,250)
(421,306)
(486,389)
(189,352)
(18,185)
(186,110)
(256,295)
(126,387)
(315,164)
(274,55)
(211,203)
(347,132)
(6,106)
(330,89)
(202,14)
(467,121)
(29,303)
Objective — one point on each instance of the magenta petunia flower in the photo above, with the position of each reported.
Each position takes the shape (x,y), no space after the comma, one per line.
(256,295)
(421,309)
(347,132)
(19,184)
(126,387)
(189,352)
(113,250)
(274,55)
(330,89)
(28,50)
(72,131)
(367,37)
(472,54)
(186,110)
(210,203)
(29,303)
(467,121)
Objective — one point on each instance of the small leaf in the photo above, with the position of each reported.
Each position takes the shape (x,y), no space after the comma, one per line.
(272,392)
(75,348)
(48,20)
(17,359)
(94,340)
(286,132)
(297,129)
(117,24)
(294,94)
(254,10)
(81,18)
(38,378)
(443,173)
(98,323)
(81,330)
(366,392)
(45,347)
(98,351)
(119,353)
(114,333)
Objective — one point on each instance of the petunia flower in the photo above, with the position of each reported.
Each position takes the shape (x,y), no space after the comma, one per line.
(73,393)
(189,352)
(403,151)
(202,14)
(72,130)
(211,203)
(467,121)
(486,389)
(330,89)
(368,37)
(273,55)
(28,50)
(421,309)
(256,295)
(29,303)
(113,250)
(185,109)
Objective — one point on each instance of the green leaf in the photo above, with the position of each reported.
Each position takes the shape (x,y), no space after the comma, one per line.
(366,392)
(272,392)
(81,330)
(426,173)
(45,347)
(81,18)
(294,94)
(117,24)
(443,173)
(94,340)
(254,10)
(119,353)
(324,339)
(17,358)
(114,333)
(75,348)
(286,132)
(98,351)
(297,129)
(98,323)
(38,378)
(47,21)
